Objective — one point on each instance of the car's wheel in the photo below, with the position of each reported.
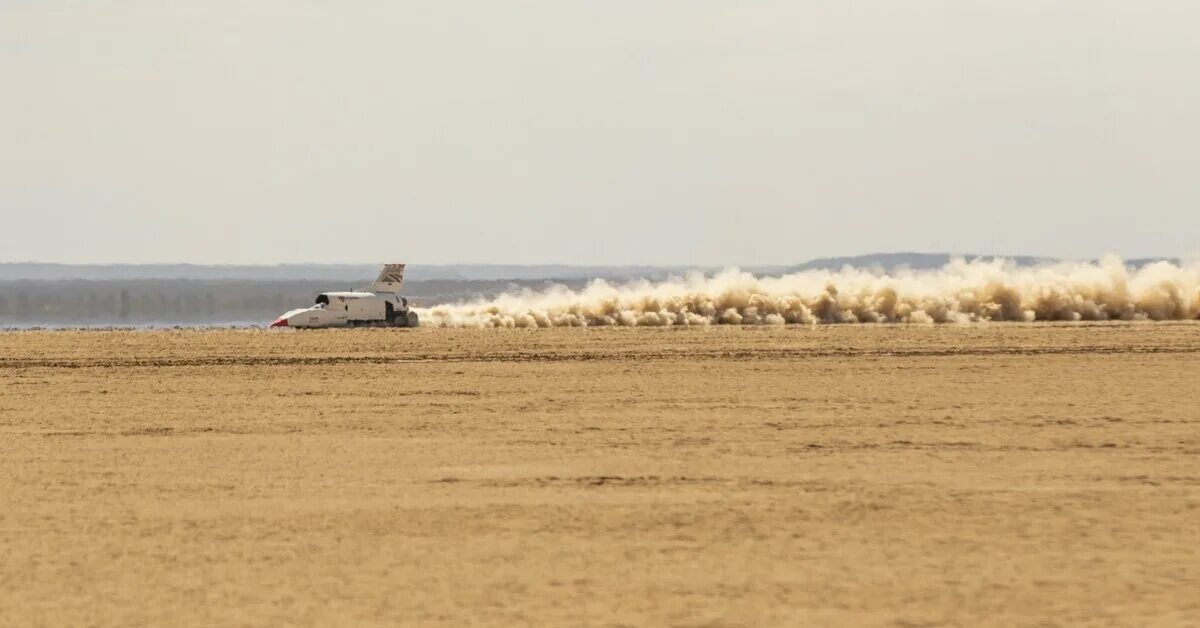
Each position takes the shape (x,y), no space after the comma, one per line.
(411,319)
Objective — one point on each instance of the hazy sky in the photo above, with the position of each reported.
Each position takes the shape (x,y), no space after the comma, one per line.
(596,132)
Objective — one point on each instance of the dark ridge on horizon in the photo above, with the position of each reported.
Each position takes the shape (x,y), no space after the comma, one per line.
(49,271)
(916,261)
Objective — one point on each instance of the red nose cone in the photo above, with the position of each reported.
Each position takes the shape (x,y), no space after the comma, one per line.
(282,322)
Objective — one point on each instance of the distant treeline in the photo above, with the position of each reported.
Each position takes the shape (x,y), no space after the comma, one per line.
(198,302)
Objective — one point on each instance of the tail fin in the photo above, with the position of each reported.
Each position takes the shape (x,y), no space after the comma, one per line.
(390,278)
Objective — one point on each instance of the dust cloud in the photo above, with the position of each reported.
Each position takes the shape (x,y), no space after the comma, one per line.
(960,292)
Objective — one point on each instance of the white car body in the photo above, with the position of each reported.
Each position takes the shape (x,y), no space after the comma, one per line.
(379,306)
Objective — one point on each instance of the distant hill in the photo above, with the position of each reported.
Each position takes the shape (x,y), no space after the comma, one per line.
(915,261)
(356,273)
(933,261)
(364,273)
(120,272)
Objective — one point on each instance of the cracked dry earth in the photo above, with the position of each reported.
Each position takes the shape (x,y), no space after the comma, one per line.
(851,475)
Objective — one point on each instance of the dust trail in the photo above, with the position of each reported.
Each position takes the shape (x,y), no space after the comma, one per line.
(960,292)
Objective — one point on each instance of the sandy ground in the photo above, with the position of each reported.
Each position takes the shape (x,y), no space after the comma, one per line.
(851,475)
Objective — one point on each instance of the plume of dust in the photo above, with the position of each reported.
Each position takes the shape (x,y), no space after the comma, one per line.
(960,292)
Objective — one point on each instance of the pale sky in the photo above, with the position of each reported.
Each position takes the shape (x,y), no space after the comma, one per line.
(614,132)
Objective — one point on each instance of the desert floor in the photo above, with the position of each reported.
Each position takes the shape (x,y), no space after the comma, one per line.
(882,475)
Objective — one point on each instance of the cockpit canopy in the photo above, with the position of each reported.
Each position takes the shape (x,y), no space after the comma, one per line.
(325,299)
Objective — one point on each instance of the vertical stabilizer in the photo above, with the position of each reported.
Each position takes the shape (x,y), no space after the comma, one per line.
(390,278)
